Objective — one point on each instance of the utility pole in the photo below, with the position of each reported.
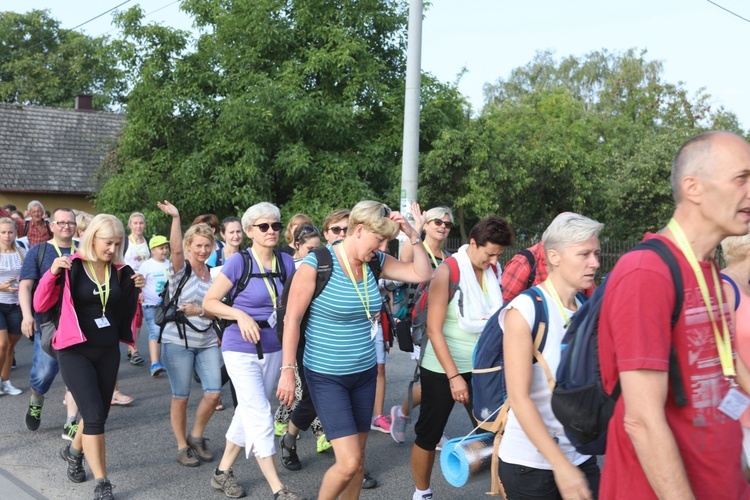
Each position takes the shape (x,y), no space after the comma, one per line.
(410,163)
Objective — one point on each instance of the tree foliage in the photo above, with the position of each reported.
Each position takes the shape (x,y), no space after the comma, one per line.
(45,65)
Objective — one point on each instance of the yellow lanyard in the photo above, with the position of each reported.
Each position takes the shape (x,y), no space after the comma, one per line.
(556,299)
(143,256)
(271,290)
(59,252)
(432,255)
(103,291)
(723,342)
(366,300)
(484,286)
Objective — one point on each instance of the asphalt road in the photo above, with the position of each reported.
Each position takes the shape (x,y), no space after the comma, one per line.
(141,449)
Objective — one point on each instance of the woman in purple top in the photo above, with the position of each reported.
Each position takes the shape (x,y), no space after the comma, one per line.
(254,372)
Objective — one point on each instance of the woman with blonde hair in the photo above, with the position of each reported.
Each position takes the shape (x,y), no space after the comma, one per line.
(339,358)
(736,251)
(99,297)
(190,344)
(11,262)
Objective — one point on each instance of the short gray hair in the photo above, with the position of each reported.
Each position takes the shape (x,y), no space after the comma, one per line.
(438,213)
(259,211)
(569,228)
(34,203)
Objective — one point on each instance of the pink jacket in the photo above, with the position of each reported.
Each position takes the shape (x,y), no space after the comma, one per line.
(68,329)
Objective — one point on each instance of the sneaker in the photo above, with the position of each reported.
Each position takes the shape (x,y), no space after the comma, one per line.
(398,425)
(425,496)
(199,447)
(289,458)
(69,431)
(285,494)
(382,424)
(323,443)
(156,369)
(279,428)
(34,415)
(368,482)
(444,439)
(76,471)
(103,491)
(186,457)
(135,358)
(9,389)
(226,482)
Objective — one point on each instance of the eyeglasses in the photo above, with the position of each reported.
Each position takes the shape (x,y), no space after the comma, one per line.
(264,227)
(64,223)
(385,211)
(440,222)
(337,230)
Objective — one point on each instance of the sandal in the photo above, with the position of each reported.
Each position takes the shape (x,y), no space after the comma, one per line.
(220,406)
(121,399)
(135,358)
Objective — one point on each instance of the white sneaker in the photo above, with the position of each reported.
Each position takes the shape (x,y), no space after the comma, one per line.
(9,389)
(425,496)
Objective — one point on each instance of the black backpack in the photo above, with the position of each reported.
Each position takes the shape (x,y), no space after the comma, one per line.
(325,268)
(579,400)
(167,311)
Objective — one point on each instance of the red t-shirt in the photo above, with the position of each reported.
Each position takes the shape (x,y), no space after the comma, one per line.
(634,334)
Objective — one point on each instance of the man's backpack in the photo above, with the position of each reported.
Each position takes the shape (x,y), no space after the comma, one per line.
(532,266)
(579,400)
(324,270)
(28,223)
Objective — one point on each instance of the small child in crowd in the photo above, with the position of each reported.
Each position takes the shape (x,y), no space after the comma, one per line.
(155,272)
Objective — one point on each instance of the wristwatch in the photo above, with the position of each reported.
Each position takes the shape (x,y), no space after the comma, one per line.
(417,241)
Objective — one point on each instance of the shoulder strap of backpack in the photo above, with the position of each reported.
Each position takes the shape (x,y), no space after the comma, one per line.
(40,257)
(737,296)
(532,266)
(325,268)
(675,375)
(454,277)
(539,331)
(375,267)
(183,281)
(247,265)
(25,227)
(282,266)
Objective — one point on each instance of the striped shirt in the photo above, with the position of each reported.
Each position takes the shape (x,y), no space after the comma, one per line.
(193,292)
(10,269)
(338,330)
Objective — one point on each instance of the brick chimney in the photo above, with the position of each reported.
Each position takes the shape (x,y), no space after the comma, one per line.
(84,102)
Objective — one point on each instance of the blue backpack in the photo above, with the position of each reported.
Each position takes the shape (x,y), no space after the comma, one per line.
(579,400)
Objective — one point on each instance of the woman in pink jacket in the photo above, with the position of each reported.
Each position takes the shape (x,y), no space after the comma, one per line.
(93,297)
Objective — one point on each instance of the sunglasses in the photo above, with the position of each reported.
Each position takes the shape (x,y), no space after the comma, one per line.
(385,211)
(337,230)
(264,227)
(440,222)
(309,230)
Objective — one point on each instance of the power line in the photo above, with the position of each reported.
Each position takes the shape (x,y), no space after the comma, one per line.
(733,13)
(100,15)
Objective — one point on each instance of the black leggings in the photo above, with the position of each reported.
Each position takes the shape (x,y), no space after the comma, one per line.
(437,404)
(527,483)
(90,372)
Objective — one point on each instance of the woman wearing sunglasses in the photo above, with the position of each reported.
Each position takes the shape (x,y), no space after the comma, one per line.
(335,226)
(254,371)
(339,358)
(436,224)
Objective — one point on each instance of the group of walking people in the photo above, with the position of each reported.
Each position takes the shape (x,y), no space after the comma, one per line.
(316,351)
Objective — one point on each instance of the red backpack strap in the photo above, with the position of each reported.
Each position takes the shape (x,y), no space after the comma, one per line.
(454,277)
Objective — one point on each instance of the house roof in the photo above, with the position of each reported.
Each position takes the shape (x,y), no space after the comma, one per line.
(53,150)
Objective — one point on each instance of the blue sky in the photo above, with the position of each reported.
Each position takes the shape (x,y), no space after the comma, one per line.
(697,42)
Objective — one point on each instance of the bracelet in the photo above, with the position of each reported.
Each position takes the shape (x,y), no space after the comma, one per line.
(286,367)
(454,376)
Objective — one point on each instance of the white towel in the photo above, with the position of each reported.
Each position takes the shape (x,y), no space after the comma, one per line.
(477,307)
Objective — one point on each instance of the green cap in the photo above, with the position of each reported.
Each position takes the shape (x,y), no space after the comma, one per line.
(157,241)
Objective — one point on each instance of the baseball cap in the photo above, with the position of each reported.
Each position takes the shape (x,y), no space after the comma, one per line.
(157,241)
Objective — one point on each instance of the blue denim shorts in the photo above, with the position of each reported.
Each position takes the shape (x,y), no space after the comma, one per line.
(148,319)
(344,402)
(181,362)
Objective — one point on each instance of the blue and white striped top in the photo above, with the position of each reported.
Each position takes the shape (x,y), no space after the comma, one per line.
(338,331)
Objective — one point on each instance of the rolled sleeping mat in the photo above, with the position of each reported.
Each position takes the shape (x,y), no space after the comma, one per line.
(463,459)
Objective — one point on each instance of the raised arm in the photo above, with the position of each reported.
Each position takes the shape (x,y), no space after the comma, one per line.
(417,271)
(175,234)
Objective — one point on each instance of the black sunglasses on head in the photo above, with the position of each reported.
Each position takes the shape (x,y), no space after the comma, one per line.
(385,211)
(308,230)
(440,222)
(265,226)
(337,230)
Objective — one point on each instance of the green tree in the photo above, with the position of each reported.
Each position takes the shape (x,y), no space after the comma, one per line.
(295,102)
(45,65)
